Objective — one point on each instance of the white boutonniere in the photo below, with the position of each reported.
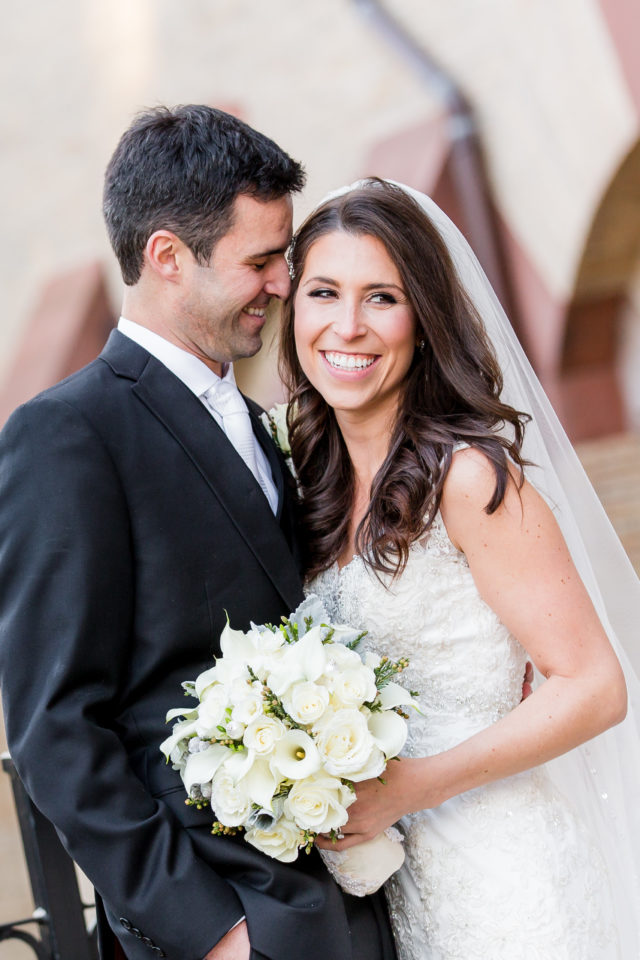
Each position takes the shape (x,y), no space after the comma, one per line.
(275,423)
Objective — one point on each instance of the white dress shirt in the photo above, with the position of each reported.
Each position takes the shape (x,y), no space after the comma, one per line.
(202,381)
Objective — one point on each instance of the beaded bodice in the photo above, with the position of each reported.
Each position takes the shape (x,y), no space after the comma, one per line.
(505,871)
(465,665)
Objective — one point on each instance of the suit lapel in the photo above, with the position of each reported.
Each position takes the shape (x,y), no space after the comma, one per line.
(207,446)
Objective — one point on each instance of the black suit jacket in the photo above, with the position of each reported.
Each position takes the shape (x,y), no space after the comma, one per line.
(128,526)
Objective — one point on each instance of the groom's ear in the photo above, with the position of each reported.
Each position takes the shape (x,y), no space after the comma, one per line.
(165,254)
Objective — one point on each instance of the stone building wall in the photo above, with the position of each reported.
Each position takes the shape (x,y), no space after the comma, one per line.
(544,80)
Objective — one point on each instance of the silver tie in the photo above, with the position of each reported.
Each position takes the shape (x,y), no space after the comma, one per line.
(225,399)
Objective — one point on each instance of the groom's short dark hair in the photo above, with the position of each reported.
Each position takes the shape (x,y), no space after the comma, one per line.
(181,169)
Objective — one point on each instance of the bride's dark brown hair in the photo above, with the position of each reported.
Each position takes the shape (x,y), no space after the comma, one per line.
(451,394)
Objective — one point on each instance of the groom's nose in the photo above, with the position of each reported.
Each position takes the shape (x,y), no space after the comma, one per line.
(278,282)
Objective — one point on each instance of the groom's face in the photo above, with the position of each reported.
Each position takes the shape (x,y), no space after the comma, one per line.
(223,304)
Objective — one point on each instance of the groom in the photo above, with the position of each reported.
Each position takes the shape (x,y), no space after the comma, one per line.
(140,499)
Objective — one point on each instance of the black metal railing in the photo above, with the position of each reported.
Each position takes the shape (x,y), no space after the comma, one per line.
(58,919)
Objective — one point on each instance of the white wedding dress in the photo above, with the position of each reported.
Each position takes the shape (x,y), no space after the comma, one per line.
(503,872)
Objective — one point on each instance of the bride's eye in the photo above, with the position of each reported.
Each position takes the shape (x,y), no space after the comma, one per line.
(322,293)
(383,298)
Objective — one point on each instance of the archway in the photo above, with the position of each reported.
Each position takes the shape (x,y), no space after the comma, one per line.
(592,397)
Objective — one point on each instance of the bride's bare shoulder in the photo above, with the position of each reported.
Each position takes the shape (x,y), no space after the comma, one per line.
(469,487)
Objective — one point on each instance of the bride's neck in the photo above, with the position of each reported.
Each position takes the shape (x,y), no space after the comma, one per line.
(367,443)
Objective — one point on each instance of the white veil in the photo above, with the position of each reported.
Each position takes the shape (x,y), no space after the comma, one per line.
(602,778)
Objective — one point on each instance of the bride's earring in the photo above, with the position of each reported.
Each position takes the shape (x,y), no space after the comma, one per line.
(420,344)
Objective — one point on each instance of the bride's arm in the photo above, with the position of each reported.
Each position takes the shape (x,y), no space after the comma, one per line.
(522,568)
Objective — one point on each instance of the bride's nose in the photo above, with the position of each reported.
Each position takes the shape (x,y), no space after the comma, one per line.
(349,323)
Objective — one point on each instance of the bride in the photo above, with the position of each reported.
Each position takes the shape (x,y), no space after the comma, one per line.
(441,510)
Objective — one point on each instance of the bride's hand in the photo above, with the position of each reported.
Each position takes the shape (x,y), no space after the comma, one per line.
(381,804)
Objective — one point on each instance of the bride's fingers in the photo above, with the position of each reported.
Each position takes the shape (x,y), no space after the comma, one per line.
(324,841)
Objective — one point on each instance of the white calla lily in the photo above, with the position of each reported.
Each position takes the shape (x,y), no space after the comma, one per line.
(181,731)
(389,732)
(304,660)
(393,695)
(295,756)
(201,767)
(205,680)
(189,713)
(261,783)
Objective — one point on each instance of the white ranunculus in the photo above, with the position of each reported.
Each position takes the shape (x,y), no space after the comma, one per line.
(340,657)
(249,708)
(354,686)
(319,803)
(306,701)
(227,671)
(229,799)
(202,766)
(371,659)
(267,642)
(211,712)
(295,756)
(389,731)
(262,734)
(280,841)
(235,729)
(344,742)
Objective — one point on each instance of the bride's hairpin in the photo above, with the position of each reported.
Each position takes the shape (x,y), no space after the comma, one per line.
(289,257)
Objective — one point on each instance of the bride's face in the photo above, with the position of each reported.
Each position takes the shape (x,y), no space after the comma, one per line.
(355,329)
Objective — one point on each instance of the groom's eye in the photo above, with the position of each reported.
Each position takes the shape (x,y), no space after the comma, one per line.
(260,265)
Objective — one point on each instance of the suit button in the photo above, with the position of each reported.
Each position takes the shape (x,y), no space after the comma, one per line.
(126,923)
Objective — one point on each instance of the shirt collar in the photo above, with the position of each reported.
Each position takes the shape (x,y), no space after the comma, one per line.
(193,372)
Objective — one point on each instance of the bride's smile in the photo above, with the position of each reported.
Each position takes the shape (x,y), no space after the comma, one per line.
(355,328)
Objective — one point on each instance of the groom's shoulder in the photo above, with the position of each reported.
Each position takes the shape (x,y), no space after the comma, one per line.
(94,392)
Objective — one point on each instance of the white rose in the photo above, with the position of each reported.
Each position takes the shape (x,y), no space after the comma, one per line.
(295,756)
(319,803)
(262,734)
(280,841)
(229,799)
(354,686)
(306,701)
(344,743)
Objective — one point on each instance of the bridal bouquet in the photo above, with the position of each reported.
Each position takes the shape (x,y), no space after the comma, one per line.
(287,720)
